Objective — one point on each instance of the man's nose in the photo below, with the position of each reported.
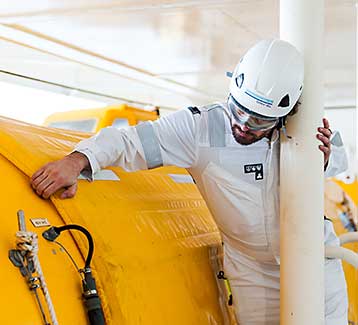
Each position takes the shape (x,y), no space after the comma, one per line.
(244,128)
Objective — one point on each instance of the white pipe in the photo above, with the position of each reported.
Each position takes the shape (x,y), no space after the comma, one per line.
(343,254)
(349,237)
(301,175)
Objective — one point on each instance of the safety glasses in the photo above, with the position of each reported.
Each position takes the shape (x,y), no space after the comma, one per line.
(241,116)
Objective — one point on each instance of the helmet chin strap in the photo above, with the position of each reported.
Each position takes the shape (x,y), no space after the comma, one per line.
(282,126)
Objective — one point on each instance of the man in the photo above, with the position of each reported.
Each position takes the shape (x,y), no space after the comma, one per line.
(231,150)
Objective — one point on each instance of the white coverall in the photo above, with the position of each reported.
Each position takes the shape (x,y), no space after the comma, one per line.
(240,186)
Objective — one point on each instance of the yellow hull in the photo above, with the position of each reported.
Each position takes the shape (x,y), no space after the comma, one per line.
(152,237)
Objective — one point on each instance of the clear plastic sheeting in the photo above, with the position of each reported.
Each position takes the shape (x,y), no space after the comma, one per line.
(342,210)
(154,237)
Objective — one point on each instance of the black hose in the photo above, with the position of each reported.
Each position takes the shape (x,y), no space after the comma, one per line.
(53,232)
(91,299)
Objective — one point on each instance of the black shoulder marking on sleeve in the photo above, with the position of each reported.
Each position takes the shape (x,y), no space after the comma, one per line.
(194,110)
(325,218)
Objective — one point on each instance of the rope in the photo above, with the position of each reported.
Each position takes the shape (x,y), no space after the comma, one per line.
(28,241)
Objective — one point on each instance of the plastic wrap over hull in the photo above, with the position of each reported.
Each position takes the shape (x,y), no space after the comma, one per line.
(153,236)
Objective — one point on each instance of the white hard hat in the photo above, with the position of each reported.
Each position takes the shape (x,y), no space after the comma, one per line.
(269,78)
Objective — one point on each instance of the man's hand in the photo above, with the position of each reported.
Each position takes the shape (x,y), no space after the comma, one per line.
(324,136)
(60,174)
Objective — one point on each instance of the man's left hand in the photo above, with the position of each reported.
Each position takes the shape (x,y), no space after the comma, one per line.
(324,136)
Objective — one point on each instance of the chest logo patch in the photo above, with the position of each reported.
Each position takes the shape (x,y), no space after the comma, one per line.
(257,169)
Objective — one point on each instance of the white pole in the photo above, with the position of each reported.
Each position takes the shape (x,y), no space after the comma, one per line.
(301,180)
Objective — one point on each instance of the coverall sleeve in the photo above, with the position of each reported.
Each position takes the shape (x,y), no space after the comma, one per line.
(338,161)
(170,140)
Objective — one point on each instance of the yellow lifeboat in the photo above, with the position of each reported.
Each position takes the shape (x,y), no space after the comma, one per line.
(152,232)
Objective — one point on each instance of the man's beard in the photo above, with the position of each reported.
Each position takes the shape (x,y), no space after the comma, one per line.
(249,137)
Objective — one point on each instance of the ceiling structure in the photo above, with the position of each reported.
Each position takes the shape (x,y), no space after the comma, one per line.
(169,53)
